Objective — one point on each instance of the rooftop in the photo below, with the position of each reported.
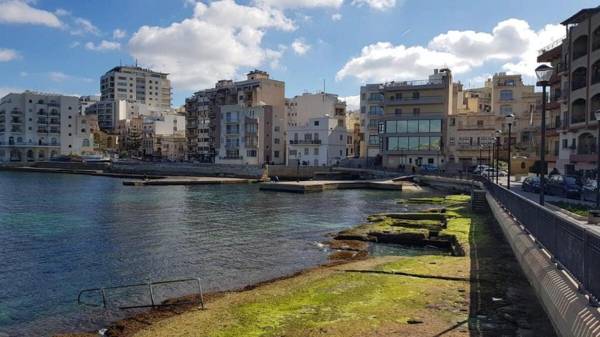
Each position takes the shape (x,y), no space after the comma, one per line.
(581,15)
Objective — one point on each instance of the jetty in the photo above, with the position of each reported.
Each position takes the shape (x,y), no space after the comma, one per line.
(169,181)
(311,186)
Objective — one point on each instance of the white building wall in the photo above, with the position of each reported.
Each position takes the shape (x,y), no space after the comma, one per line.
(320,142)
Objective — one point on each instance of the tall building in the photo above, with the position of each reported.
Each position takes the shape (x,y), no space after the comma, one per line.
(136,84)
(578,71)
(478,113)
(203,111)
(403,121)
(39,126)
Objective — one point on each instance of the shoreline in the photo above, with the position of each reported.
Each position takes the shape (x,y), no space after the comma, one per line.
(132,324)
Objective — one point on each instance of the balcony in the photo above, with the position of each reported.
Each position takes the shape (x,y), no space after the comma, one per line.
(42,121)
(305,142)
(54,113)
(413,101)
(42,113)
(417,83)
(16,112)
(42,130)
(583,158)
(54,104)
(55,122)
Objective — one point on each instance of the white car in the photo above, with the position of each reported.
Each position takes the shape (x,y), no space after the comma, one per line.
(480,168)
(491,172)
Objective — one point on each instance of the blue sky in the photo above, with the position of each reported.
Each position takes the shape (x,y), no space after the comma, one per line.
(65,46)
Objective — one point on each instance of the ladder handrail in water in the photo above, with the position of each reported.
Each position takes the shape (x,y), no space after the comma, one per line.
(150,285)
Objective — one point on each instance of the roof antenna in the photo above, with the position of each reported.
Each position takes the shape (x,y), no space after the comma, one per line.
(323,90)
(136,63)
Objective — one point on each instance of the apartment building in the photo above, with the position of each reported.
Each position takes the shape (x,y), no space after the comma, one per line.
(245,134)
(136,84)
(403,122)
(579,73)
(163,137)
(39,126)
(478,113)
(300,109)
(322,141)
(203,112)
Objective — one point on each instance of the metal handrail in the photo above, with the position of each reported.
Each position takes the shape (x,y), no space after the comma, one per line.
(572,247)
(150,285)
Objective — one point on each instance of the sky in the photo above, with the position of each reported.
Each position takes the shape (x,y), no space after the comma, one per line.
(64,46)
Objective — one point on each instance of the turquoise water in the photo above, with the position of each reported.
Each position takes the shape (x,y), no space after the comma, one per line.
(64,233)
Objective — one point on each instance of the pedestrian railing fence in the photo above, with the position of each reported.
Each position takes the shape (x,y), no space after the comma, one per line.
(572,246)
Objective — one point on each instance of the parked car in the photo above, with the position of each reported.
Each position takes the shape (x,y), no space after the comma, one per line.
(479,168)
(531,184)
(563,186)
(588,191)
(491,172)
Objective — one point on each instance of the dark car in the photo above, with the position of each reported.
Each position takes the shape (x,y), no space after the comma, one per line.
(531,184)
(564,186)
(588,191)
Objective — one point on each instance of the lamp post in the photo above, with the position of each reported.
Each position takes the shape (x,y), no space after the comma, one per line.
(597,114)
(489,157)
(298,167)
(510,119)
(543,74)
(492,165)
(498,132)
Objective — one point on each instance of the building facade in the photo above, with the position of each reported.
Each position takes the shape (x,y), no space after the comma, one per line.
(403,122)
(136,84)
(478,113)
(163,137)
(245,134)
(203,112)
(300,109)
(322,141)
(579,74)
(38,126)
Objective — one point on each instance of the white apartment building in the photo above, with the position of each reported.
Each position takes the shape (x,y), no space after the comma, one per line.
(320,142)
(87,101)
(136,84)
(158,130)
(301,109)
(38,126)
(245,139)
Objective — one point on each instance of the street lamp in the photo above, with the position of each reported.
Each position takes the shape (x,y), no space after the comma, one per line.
(597,114)
(510,119)
(492,165)
(479,159)
(543,74)
(498,132)
(298,167)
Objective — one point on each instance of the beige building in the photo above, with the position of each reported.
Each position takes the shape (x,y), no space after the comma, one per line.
(579,73)
(478,113)
(300,109)
(161,136)
(205,106)
(245,135)
(403,122)
(39,126)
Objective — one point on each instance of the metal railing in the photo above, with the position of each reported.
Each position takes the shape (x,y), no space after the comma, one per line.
(104,294)
(571,245)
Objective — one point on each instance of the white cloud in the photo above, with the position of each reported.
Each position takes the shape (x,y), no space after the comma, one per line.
(8,55)
(62,12)
(83,26)
(274,56)
(352,102)
(300,47)
(74,44)
(512,41)
(299,3)
(103,46)
(23,74)
(213,44)
(119,34)
(336,17)
(379,5)
(20,12)
(57,76)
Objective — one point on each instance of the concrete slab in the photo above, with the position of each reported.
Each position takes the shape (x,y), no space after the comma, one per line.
(310,186)
(169,181)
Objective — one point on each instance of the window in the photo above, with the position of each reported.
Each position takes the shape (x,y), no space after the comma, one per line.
(479,124)
(401,126)
(579,78)
(595,72)
(316,151)
(434,143)
(86,143)
(380,127)
(293,153)
(316,123)
(416,95)
(276,154)
(506,95)
(276,140)
(565,143)
(596,39)
(413,143)
(398,111)
(276,129)
(416,111)
(580,47)
(375,110)
(376,96)
(587,144)
(424,126)
(390,126)
(435,125)
(506,109)
(306,151)
(373,140)
(578,111)
(392,143)
(413,126)
(424,143)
